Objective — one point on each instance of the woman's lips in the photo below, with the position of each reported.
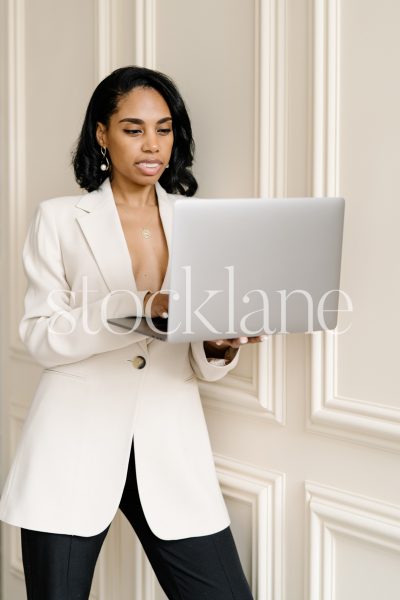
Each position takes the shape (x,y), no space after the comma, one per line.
(149,167)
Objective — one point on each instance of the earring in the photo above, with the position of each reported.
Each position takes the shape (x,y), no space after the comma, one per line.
(104,166)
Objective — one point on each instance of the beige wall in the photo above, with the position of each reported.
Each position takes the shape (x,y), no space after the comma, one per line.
(287,97)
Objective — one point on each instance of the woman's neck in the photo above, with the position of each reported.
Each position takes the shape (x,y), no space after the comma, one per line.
(133,195)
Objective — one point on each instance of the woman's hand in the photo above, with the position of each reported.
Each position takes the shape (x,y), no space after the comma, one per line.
(155,304)
(218,348)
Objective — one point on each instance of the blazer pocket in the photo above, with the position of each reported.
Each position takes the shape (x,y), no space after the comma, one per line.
(65,373)
(189,377)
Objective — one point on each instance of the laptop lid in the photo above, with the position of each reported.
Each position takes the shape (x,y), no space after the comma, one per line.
(244,266)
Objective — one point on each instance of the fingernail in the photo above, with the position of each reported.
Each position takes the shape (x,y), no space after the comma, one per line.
(218,342)
(243,340)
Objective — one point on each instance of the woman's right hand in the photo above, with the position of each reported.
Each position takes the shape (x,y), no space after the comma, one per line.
(155,304)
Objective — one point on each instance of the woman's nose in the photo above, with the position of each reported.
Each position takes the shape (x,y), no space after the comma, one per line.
(150,144)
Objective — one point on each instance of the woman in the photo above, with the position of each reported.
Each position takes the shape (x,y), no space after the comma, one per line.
(91,257)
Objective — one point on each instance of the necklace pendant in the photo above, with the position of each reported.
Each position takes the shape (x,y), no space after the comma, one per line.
(146,233)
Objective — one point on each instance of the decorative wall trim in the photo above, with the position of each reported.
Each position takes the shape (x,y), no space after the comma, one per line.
(329,413)
(348,418)
(264,492)
(15,567)
(146,33)
(16,167)
(145,580)
(326,93)
(332,513)
(271,98)
(109,581)
(262,394)
(103,53)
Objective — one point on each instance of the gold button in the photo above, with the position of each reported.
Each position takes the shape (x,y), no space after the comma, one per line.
(138,362)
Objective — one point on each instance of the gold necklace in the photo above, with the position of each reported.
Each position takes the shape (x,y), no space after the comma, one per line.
(146,233)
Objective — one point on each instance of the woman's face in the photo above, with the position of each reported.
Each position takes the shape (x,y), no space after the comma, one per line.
(139,137)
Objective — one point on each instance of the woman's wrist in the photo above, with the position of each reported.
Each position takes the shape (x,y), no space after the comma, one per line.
(212,351)
(230,353)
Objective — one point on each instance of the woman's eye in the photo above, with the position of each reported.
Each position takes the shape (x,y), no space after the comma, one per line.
(164,131)
(133,131)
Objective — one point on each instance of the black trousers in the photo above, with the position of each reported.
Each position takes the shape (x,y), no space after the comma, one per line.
(61,566)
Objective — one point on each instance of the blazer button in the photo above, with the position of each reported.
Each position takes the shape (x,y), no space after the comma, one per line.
(138,362)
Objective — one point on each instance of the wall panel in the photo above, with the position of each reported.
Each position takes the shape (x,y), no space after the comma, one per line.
(369,161)
(354,385)
(354,546)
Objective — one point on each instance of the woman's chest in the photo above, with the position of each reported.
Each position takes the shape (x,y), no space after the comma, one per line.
(147,245)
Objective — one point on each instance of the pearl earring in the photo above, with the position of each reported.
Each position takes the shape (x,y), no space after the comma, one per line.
(104,166)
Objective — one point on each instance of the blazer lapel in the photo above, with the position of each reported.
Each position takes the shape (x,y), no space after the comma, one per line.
(101,226)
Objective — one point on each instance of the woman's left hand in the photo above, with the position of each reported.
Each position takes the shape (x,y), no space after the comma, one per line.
(219,348)
(236,342)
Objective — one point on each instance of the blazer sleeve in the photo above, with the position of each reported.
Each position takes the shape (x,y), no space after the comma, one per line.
(54,332)
(206,370)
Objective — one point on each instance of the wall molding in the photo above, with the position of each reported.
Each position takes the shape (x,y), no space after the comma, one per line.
(103,38)
(332,513)
(329,413)
(261,395)
(348,418)
(145,580)
(16,167)
(108,581)
(16,567)
(263,491)
(326,93)
(270,125)
(146,33)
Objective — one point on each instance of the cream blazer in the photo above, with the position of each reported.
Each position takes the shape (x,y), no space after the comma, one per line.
(70,466)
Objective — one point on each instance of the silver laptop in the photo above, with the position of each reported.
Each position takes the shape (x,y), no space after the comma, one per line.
(250,266)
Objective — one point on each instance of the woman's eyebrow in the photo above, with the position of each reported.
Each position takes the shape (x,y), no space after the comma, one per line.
(140,122)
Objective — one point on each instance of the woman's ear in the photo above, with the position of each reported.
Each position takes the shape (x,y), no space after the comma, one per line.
(101,134)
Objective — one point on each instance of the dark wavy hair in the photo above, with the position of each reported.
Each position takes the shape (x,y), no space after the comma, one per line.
(86,160)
